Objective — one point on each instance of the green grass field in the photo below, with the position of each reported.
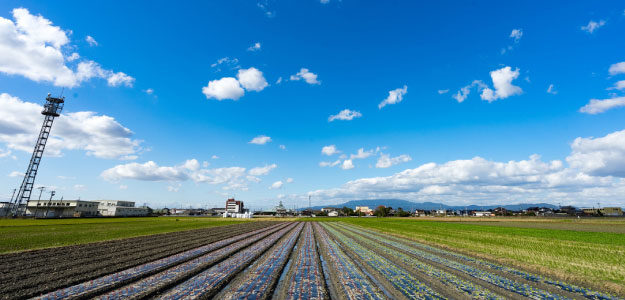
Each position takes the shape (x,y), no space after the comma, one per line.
(581,251)
(24,234)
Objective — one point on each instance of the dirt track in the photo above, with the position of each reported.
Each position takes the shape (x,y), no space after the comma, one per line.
(264,260)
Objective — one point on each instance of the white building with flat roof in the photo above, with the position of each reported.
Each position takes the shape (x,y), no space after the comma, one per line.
(61,208)
(118,208)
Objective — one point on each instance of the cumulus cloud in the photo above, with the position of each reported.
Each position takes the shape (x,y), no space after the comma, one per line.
(306,75)
(395,96)
(345,115)
(98,135)
(289,180)
(259,171)
(233,88)
(464,92)
(440,92)
(596,106)
(276,185)
(596,172)
(347,164)
(34,48)
(361,154)
(16,174)
(229,177)
(603,156)
(255,47)
(282,147)
(329,150)
(224,88)
(91,41)
(619,85)
(385,160)
(260,140)
(516,34)
(502,81)
(592,26)
(252,79)
(617,68)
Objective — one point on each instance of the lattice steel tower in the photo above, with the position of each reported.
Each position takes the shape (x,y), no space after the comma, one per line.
(51,110)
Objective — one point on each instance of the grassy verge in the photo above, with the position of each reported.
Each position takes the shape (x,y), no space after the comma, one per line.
(585,257)
(26,234)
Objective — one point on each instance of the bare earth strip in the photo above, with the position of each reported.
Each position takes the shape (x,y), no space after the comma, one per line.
(303,276)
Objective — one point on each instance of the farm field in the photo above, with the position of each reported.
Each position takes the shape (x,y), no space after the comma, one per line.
(278,260)
(586,251)
(26,234)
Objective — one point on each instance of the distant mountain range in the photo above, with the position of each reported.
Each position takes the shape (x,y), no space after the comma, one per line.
(409,205)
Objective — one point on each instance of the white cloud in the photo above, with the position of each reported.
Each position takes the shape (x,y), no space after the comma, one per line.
(258,171)
(346,115)
(440,92)
(174,187)
(617,68)
(149,91)
(255,47)
(289,180)
(592,26)
(464,92)
(16,174)
(596,106)
(252,79)
(309,77)
(279,80)
(229,177)
(385,161)
(324,1)
(32,47)
(347,164)
(619,85)
(232,62)
(329,163)
(73,57)
(596,172)
(260,140)
(502,81)
(214,157)
(99,135)
(361,154)
(282,147)
(276,185)
(123,187)
(224,88)
(329,150)
(551,89)
(394,96)
(603,156)
(516,34)
(91,41)
(148,171)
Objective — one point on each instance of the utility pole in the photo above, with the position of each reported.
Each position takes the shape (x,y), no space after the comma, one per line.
(41,188)
(49,203)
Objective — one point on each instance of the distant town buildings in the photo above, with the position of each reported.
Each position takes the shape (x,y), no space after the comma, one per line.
(365,210)
(234,206)
(118,208)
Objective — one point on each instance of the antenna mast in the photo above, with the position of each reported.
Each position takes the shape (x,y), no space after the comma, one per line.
(51,110)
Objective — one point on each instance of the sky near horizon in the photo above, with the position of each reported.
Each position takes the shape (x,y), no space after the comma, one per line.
(186,104)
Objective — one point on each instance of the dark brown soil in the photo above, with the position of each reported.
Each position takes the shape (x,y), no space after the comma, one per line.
(31,273)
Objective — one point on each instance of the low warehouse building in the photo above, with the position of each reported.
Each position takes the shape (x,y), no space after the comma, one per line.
(118,208)
(61,208)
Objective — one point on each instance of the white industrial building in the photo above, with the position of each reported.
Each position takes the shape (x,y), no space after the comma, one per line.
(118,208)
(61,208)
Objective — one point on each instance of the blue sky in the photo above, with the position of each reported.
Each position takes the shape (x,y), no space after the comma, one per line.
(165,128)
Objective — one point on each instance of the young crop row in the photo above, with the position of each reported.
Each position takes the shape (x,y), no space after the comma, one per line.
(398,277)
(500,281)
(106,282)
(263,274)
(350,279)
(209,281)
(468,289)
(587,293)
(306,282)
